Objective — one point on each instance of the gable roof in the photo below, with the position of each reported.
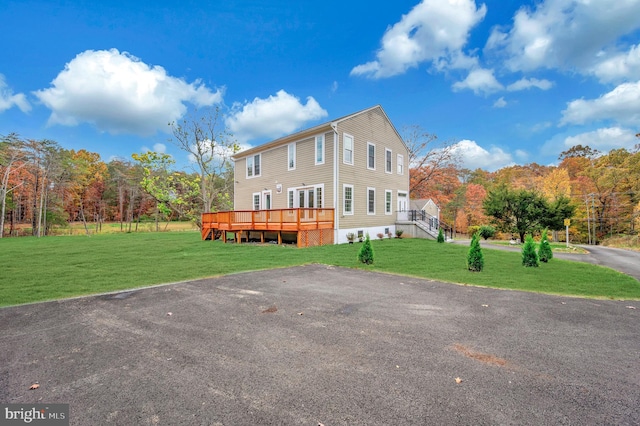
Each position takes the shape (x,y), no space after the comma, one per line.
(421,203)
(303,134)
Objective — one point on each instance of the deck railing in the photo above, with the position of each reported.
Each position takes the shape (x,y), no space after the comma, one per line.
(293,220)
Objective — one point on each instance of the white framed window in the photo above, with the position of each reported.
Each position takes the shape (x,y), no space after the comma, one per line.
(400,166)
(253,166)
(256,200)
(319,149)
(388,201)
(290,203)
(347,148)
(371,201)
(347,199)
(371,156)
(387,160)
(291,157)
(319,203)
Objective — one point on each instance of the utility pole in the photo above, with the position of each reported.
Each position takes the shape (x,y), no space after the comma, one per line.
(586,202)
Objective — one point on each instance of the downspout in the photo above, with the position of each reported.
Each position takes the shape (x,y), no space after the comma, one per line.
(336,175)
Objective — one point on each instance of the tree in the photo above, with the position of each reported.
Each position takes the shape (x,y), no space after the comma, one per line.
(475,258)
(486,231)
(209,145)
(529,255)
(544,252)
(175,193)
(12,158)
(440,236)
(516,211)
(427,157)
(365,254)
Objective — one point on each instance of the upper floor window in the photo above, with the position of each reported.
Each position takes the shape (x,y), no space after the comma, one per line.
(400,164)
(320,149)
(371,156)
(387,160)
(347,142)
(253,166)
(292,156)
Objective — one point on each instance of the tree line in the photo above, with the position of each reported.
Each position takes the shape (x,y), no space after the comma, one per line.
(598,192)
(45,187)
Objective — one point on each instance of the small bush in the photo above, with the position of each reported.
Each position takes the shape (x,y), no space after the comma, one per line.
(365,254)
(440,236)
(529,255)
(487,231)
(475,259)
(472,230)
(399,233)
(544,252)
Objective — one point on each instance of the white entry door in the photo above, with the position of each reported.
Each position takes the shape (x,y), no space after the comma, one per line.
(266,200)
(306,199)
(402,206)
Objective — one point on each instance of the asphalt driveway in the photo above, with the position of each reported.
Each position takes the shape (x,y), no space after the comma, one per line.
(318,344)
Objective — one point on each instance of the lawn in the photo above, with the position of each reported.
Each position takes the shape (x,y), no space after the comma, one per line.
(55,267)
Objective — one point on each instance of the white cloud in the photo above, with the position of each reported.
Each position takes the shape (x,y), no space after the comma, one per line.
(434,30)
(119,93)
(622,105)
(521,155)
(9,100)
(500,103)
(564,34)
(481,81)
(272,117)
(474,156)
(528,83)
(158,147)
(619,67)
(604,139)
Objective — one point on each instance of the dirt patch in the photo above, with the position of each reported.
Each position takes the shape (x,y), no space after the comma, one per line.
(479,356)
(270,310)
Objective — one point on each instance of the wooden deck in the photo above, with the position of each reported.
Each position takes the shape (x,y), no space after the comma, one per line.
(310,226)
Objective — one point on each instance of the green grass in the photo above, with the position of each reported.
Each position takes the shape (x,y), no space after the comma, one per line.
(57,267)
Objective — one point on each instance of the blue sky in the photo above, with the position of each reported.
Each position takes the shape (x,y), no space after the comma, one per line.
(510,82)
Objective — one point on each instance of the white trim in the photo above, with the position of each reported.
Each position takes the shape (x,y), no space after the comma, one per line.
(353,143)
(344,190)
(291,156)
(369,212)
(388,211)
(390,153)
(400,164)
(371,144)
(253,166)
(315,149)
(253,200)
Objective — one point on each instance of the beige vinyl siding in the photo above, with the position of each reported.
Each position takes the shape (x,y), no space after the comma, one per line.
(274,171)
(371,127)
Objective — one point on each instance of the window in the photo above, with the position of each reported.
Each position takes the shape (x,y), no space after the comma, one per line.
(292,156)
(387,202)
(347,199)
(319,197)
(320,149)
(371,201)
(290,204)
(387,160)
(400,164)
(371,156)
(347,155)
(256,201)
(253,166)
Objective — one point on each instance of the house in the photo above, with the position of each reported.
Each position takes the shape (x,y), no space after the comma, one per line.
(428,206)
(354,168)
